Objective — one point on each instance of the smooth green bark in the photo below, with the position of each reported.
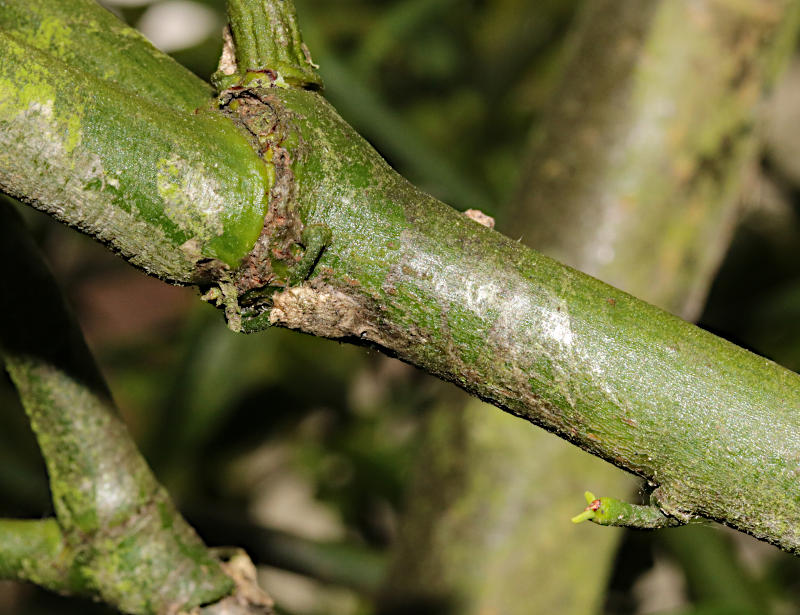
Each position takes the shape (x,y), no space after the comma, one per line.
(619,377)
(713,427)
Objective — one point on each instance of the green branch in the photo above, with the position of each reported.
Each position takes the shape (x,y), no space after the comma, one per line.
(464,494)
(604,370)
(90,39)
(117,536)
(715,427)
(264,43)
(186,211)
(35,551)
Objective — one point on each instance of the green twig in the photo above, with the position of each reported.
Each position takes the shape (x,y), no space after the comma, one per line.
(610,511)
(264,43)
(36,551)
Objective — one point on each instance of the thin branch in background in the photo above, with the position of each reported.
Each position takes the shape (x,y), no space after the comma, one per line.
(116,536)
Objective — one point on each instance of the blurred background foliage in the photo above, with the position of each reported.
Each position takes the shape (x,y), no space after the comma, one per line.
(301,449)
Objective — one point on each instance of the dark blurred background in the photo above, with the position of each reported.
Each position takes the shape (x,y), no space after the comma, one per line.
(301,449)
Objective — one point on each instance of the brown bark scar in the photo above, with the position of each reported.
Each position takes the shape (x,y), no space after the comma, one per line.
(321,309)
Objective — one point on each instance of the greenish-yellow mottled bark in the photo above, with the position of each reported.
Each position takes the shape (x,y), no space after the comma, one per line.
(90,39)
(712,426)
(187,211)
(591,363)
(469,514)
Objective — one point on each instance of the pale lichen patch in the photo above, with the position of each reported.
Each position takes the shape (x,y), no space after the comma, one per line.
(192,198)
(555,325)
(55,142)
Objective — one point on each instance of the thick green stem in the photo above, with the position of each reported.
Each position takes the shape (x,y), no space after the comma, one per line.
(713,426)
(90,39)
(624,380)
(467,513)
(189,208)
(266,43)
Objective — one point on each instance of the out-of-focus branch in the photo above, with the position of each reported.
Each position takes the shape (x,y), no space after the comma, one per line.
(35,551)
(117,536)
(656,142)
